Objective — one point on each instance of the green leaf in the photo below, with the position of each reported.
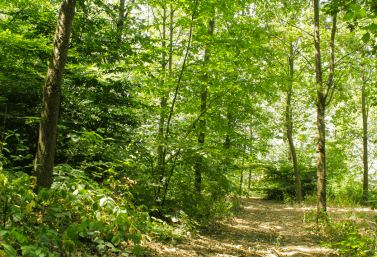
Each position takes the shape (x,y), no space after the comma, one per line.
(20,238)
(85,222)
(349,16)
(95,206)
(84,232)
(72,232)
(115,240)
(137,250)
(366,37)
(59,215)
(372,27)
(16,209)
(110,245)
(64,193)
(101,248)
(362,13)
(355,7)
(69,245)
(3,232)
(9,250)
(109,236)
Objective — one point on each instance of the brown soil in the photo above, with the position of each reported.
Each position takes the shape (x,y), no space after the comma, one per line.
(260,228)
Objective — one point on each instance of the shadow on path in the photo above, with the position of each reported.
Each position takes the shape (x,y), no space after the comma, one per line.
(260,228)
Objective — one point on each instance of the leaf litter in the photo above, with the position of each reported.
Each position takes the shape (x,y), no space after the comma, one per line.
(260,228)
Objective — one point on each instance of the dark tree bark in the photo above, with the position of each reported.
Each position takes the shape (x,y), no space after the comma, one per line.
(203,107)
(322,93)
(44,160)
(365,140)
(289,125)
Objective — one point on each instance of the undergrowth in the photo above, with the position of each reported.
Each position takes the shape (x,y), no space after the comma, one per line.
(79,215)
(350,233)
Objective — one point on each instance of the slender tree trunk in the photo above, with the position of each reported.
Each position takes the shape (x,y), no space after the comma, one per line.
(365,141)
(289,125)
(163,102)
(321,106)
(3,133)
(321,169)
(44,160)
(229,128)
(121,20)
(203,107)
(251,141)
(161,150)
(242,169)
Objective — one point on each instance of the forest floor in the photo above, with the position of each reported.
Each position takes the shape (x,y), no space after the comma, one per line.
(260,228)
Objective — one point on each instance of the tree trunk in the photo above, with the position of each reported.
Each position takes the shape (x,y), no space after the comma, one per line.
(290,128)
(3,133)
(321,169)
(251,141)
(44,160)
(121,20)
(163,102)
(321,106)
(242,169)
(203,107)
(365,141)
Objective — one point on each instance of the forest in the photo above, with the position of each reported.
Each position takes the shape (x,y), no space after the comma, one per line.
(131,127)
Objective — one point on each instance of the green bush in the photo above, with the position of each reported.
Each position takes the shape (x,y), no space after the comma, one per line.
(281,184)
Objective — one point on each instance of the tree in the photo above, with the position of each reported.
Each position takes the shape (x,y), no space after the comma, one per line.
(44,160)
(203,107)
(289,125)
(322,93)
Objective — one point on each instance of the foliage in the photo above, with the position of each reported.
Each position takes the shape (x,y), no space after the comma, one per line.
(131,105)
(347,236)
(281,185)
(75,213)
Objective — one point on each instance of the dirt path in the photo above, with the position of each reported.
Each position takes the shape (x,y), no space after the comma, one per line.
(261,228)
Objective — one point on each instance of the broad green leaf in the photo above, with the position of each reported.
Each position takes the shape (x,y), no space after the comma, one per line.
(101,248)
(115,240)
(69,245)
(72,232)
(9,250)
(95,206)
(59,215)
(366,37)
(16,209)
(20,238)
(45,196)
(362,13)
(349,16)
(355,7)
(372,28)
(64,193)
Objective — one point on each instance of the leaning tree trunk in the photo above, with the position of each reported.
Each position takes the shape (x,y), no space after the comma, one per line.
(290,128)
(365,142)
(203,107)
(44,160)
